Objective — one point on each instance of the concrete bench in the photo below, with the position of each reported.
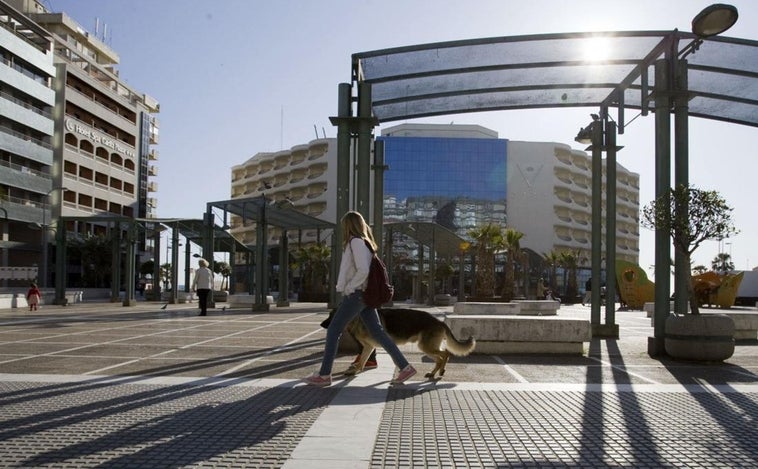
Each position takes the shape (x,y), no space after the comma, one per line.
(483,308)
(538,307)
(745,322)
(514,308)
(245,300)
(520,334)
(444,299)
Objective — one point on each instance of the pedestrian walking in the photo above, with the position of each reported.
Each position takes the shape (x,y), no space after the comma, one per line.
(33,297)
(587,291)
(352,279)
(203,284)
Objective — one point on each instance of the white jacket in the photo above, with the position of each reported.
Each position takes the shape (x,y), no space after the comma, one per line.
(203,279)
(354,267)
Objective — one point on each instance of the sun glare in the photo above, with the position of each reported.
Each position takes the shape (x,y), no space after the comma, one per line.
(596,49)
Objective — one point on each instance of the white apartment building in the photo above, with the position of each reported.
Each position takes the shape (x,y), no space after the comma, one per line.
(27,99)
(304,174)
(106,131)
(547,189)
(550,200)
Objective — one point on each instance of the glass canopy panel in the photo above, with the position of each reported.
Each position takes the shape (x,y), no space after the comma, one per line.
(723,84)
(554,70)
(491,102)
(499,52)
(557,76)
(738,55)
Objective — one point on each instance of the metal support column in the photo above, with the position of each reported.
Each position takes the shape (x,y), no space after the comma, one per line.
(129,266)
(342,121)
(610,328)
(174,299)
(156,292)
(187,265)
(379,169)
(208,246)
(115,261)
(284,271)
(363,173)
(597,252)
(656,344)
(261,257)
(681,177)
(60,263)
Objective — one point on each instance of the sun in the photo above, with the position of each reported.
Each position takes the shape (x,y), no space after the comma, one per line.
(596,49)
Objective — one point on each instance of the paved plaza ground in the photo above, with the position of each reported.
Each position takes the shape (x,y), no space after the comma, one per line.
(102,385)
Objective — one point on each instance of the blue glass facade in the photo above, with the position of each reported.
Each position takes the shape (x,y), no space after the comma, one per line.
(458,182)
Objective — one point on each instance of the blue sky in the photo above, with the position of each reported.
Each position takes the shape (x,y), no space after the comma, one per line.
(238,77)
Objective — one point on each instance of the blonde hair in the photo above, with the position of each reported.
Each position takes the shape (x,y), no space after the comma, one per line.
(354,226)
(202,263)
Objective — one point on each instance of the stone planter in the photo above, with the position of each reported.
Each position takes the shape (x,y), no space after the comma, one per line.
(700,337)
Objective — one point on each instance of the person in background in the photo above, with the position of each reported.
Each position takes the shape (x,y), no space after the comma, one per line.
(587,291)
(33,296)
(203,284)
(352,279)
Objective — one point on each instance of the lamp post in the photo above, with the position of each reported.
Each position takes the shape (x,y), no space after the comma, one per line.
(43,274)
(672,93)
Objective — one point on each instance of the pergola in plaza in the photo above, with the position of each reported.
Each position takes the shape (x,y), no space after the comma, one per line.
(663,72)
(264,213)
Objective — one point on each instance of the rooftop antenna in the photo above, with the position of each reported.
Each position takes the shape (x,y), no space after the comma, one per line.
(323,131)
(315,130)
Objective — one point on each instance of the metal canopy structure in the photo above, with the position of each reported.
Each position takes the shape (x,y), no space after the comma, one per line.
(278,214)
(666,72)
(263,212)
(193,229)
(557,70)
(439,238)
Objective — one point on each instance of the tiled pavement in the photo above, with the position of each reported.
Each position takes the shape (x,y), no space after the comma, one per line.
(101,385)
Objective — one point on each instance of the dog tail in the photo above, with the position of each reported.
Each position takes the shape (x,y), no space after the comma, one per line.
(460,348)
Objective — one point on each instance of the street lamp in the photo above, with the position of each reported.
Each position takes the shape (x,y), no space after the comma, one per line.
(672,93)
(43,274)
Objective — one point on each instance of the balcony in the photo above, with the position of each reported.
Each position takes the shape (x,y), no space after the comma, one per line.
(152,155)
(152,170)
(152,186)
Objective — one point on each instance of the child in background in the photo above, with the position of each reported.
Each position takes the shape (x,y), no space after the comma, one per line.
(33,296)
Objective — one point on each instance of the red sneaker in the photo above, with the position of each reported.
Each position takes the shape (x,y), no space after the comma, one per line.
(317,380)
(404,374)
(370,364)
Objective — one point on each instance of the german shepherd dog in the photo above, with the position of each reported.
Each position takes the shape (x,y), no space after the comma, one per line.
(410,325)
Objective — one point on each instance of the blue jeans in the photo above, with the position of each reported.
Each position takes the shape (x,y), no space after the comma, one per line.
(351,306)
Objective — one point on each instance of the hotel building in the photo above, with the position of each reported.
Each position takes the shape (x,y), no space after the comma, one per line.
(27,100)
(461,177)
(103,142)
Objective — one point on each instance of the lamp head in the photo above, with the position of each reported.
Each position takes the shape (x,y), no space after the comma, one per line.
(714,20)
(584,136)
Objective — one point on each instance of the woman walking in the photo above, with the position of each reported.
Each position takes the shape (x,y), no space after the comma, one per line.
(203,284)
(352,278)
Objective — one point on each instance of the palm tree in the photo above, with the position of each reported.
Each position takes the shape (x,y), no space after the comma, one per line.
(225,270)
(166,275)
(722,263)
(486,239)
(314,262)
(553,259)
(570,261)
(511,242)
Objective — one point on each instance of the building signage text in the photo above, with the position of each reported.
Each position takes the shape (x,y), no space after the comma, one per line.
(73,126)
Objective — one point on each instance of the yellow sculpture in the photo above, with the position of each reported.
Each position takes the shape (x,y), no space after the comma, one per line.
(633,285)
(635,289)
(714,289)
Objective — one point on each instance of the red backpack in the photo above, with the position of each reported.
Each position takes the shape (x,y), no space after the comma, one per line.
(378,289)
